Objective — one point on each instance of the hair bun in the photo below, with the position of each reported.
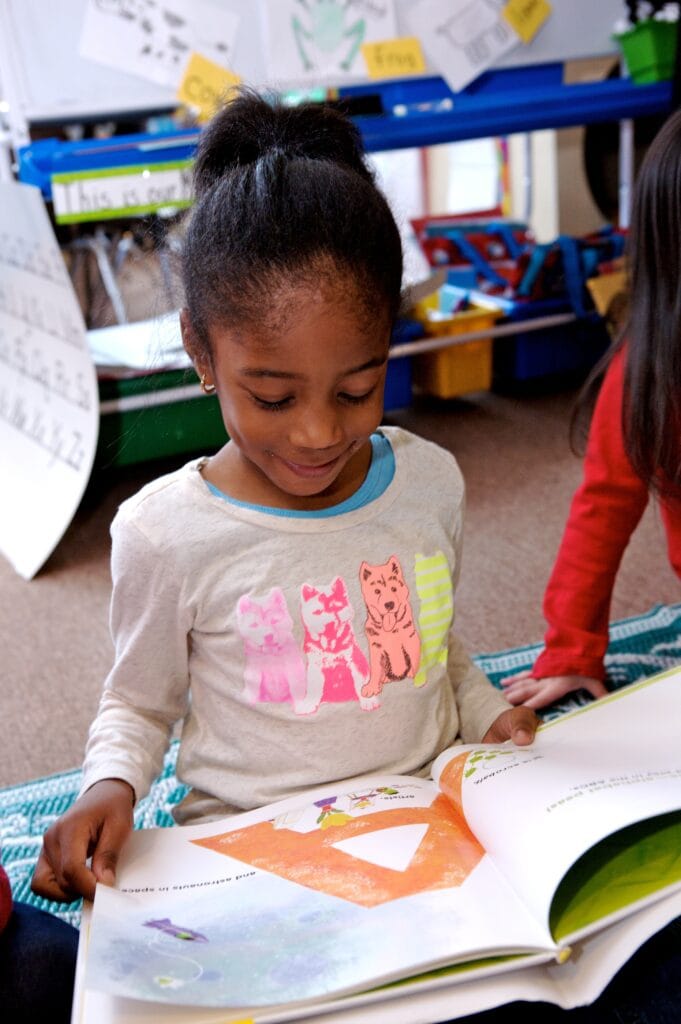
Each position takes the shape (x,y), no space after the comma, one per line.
(250,128)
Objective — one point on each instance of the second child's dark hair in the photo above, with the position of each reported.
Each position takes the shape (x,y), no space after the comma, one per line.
(651,411)
(283,194)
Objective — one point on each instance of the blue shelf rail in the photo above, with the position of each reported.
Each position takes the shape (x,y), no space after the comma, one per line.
(414,112)
(425,112)
(41,160)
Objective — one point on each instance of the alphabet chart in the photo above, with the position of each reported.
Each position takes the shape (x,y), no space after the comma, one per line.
(49,402)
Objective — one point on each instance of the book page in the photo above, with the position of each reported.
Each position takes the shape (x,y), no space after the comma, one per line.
(359,883)
(588,774)
(431,997)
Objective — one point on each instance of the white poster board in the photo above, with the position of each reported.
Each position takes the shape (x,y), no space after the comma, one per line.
(49,402)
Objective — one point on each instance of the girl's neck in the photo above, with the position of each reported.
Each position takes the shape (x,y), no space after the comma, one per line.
(240,479)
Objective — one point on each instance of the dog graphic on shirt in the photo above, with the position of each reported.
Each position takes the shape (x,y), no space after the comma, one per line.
(337,668)
(274,670)
(394,644)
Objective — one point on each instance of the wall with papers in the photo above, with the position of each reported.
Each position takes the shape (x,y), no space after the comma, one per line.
(47,67)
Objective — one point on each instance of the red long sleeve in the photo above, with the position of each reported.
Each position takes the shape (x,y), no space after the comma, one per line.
(604,513)
(5,898)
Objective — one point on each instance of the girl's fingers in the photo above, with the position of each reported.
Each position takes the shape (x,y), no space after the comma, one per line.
(109,845)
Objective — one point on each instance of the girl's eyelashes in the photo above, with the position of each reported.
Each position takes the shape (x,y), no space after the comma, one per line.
(356,399)
(283,403)
(280,403)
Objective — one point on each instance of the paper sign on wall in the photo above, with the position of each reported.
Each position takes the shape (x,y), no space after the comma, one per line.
(205,85)
(321,42)
(461,38)
(155,40)
(127,191)
(49,401)
(394,58)
(526,17)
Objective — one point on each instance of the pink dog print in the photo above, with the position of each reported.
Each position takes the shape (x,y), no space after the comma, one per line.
(337,669)
(275,670)
(394,644)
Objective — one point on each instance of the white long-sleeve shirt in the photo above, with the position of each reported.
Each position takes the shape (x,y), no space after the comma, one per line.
(295,651)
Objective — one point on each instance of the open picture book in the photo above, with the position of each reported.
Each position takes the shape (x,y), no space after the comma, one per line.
(512,873)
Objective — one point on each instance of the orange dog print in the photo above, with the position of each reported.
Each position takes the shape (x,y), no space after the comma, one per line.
(394,644)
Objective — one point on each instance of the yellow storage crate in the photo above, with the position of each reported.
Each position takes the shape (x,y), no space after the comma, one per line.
(462,368)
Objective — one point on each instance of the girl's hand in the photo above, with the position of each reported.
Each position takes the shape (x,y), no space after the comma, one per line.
(517,724)
(96,826)
(539,693)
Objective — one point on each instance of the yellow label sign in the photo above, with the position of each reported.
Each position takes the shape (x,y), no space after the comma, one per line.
(205,86)
(526,17)
(394,58)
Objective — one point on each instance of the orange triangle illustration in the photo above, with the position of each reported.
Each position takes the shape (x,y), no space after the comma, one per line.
(446,856)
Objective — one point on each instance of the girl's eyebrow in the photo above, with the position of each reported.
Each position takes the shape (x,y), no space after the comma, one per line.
(257,373)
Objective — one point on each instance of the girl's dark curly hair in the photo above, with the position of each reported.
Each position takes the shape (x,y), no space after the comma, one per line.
(283,194)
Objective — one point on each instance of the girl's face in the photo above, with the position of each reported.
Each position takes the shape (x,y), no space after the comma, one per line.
(299,400)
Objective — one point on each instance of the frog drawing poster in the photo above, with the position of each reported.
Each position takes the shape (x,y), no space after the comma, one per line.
(313,41)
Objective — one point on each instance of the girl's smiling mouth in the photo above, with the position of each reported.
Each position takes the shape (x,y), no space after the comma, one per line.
(311,471)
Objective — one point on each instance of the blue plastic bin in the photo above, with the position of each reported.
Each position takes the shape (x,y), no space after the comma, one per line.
(567,349)
(398,381)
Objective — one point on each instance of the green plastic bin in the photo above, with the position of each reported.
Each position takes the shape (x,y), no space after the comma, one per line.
(157,416)
(649,50)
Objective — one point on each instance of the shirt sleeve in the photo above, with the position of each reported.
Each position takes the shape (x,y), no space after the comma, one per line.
(5,898)
(147,690)
(478,701)
(605,510)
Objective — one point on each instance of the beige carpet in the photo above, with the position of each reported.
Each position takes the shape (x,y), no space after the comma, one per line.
(520,475)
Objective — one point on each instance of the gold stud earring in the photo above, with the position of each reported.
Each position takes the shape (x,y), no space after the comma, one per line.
(208,389)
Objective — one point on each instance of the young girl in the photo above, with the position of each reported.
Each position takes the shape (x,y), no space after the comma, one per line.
(633,449)
(290,599)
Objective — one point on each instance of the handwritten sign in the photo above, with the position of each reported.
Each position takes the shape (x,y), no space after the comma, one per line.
(121,191)
(49,402)
(155,40)
(394,58)
(461,38)
(205,86)
(526,17)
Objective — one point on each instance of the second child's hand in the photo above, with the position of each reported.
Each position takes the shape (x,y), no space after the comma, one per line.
(539,693)
(96,826)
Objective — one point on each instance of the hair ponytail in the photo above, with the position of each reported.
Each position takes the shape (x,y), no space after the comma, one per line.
(250,128)
(282,195)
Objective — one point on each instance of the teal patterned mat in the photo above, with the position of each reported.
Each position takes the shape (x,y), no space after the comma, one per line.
(639,646)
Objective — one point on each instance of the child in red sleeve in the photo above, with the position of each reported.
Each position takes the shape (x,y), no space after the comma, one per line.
(37,962)
(633,449)
(5,899)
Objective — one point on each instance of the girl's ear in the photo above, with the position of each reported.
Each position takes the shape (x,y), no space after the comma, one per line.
(188,337)
(192,347)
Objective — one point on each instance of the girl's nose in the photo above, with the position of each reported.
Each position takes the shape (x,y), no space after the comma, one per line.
(317,427)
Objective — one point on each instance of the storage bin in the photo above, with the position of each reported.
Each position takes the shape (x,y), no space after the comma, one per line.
(160,428)
(398,380)
(398,384)
(462,368)
(649,50)
(567,349)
